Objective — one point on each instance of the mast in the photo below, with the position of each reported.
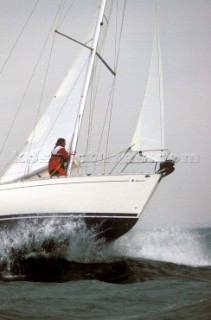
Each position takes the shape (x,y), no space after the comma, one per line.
(86,84)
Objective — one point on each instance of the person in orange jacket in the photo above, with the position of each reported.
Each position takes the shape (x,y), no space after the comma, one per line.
(59,155)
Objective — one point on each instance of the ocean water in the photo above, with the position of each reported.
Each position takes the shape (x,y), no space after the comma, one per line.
(147,274)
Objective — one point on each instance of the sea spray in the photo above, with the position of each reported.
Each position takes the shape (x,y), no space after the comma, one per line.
(176,245)
(47,239)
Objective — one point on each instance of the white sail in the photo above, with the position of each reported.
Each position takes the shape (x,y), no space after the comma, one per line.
(58,120)
(107,204)
(149,133)
(62,115)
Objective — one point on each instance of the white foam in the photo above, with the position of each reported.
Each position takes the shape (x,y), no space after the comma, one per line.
(72,241)
(180,246)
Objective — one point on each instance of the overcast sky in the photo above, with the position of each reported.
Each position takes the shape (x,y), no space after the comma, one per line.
(184,198)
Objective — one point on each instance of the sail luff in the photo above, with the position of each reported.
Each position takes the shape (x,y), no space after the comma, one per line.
(160,88)
(162,128)
(86,84)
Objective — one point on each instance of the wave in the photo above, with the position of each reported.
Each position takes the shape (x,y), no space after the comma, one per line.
(72,252)
(122,271)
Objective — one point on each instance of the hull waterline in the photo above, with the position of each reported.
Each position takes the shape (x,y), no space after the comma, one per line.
(109,229)
(108,206)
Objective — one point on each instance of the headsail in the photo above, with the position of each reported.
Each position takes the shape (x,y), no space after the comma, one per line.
(149,133)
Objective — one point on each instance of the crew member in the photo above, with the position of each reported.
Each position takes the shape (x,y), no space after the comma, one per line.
(59,157)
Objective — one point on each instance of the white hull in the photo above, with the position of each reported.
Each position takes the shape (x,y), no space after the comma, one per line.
(112,203)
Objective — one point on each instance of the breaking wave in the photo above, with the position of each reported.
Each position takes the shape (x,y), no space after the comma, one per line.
(64,252)
(51,240)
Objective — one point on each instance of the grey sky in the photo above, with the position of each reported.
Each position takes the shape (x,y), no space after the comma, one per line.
(182,199)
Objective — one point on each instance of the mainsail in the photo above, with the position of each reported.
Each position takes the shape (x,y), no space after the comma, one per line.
(107,205)
(62,115)
(58,119)
(149,133)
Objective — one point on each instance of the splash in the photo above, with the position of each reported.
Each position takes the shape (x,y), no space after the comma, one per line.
(180,246)
(50,238)
(52,246)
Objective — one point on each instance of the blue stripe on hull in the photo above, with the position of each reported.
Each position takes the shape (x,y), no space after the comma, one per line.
(104,225)
(66,214)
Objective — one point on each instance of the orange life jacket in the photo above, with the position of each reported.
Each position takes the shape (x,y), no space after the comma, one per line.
(56,162)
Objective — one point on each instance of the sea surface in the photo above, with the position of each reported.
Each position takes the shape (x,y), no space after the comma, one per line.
(147,274)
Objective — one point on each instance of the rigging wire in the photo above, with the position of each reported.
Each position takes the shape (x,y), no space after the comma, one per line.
(109,124)
(71,89)
(65,15)
(91,106)
(111,98)
(44,81)
(121,30)
(115,156)
(18,38)
(62,107)
(114,82)
(93,102)
(104,123)
(61,9)
(27,87)
(39,106)
(94,89)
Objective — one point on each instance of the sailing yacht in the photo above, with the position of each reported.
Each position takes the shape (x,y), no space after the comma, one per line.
(106,192)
